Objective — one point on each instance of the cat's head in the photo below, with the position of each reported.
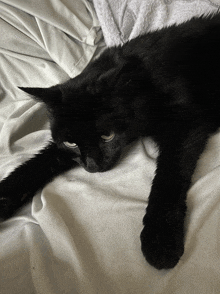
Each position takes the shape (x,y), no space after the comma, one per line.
(92,115)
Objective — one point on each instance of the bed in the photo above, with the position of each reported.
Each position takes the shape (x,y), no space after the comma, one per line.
(80,234)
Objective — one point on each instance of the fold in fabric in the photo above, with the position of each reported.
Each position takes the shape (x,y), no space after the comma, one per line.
(124,20)
(81,233)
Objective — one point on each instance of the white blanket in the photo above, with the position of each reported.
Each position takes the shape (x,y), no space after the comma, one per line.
(123,20)
(81,233)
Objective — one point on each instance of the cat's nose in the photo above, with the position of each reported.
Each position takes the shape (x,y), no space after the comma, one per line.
(91,165)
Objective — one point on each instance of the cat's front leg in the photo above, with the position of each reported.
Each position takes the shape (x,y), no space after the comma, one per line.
(22,184)
(162,237)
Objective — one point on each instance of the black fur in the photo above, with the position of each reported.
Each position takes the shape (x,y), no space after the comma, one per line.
(165,84)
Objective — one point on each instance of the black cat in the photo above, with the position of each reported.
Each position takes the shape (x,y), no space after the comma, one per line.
(164,84)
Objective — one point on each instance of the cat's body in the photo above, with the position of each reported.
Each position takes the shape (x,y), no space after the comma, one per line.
(164,84)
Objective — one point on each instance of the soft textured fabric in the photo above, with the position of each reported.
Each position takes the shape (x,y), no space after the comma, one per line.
(81,233)
(124,20)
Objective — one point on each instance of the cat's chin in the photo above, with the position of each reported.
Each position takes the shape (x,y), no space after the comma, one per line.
(92,168)
(91,165)
(96,169)
(92,171)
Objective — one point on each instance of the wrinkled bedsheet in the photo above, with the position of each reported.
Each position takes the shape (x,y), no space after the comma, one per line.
(80,234)
(124,20)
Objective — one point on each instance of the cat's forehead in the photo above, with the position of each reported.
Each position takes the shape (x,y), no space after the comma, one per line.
(75,108)
(71,130)
(79,100)
(83,107)
(80,125)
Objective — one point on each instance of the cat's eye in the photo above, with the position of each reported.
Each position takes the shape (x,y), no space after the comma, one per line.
(70,145)
(108,138)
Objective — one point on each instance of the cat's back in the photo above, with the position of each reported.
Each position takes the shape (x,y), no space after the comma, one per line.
(196,34)
(184,59)
(180,61)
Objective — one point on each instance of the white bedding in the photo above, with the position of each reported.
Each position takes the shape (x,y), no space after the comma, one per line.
(81,233)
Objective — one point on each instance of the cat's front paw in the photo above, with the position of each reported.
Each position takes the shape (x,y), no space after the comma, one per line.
(162,240)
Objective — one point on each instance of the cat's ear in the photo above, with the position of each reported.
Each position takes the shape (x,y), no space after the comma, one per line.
(50,95)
